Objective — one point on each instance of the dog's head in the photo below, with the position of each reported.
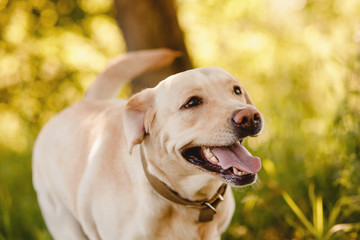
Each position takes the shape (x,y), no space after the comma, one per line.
(197,119)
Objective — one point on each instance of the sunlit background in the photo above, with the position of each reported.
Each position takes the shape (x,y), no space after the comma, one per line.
(298,59)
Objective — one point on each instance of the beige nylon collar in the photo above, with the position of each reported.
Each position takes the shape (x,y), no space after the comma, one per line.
(207,207)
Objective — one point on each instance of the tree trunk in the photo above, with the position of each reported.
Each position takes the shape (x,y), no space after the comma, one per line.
(148,24)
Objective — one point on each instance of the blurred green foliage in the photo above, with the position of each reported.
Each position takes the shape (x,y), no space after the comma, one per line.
(298,59)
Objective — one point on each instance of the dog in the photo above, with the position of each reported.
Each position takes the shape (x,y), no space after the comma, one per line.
(155,166)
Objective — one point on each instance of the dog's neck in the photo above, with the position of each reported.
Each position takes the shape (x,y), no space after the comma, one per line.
(207,207)
(198,186)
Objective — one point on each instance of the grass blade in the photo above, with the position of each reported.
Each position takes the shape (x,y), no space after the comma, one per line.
(335,213)
(319,216)
(299,213)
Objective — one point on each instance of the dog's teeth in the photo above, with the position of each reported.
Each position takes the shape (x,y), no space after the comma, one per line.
(214,160)
(238,172)
(210,156)
(207,153)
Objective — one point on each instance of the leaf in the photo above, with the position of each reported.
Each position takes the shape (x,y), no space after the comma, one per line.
(319,216)
(299,213)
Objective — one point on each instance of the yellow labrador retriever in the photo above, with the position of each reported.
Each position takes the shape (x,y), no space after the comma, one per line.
(153,167)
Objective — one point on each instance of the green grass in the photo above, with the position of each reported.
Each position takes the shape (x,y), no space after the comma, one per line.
(20,216)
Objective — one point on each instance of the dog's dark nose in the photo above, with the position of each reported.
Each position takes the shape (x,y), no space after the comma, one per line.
(248,118)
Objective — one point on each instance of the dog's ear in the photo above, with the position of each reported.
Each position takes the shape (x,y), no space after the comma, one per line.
(138,115)
(248,98)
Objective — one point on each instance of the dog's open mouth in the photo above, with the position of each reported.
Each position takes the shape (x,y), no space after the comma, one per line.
(233,163)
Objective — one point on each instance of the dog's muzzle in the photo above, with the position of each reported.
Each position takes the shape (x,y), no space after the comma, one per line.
(233,162)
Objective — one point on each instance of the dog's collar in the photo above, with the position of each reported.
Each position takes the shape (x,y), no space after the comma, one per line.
(207,207)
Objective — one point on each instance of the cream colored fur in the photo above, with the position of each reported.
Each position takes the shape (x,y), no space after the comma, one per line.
(86,163)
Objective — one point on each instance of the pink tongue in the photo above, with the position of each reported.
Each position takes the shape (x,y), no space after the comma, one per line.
(237,156)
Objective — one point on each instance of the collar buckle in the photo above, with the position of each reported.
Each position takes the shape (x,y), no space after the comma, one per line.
(210,206)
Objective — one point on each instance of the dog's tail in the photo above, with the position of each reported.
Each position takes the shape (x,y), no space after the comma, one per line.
(124,68)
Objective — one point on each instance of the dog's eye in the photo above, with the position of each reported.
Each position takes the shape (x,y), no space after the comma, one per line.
(237,90)
(192,102)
